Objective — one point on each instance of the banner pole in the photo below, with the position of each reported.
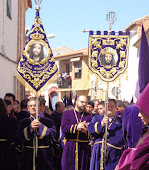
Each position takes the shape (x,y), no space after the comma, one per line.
(35,140)
(106,127)
(37,112)
(34,153)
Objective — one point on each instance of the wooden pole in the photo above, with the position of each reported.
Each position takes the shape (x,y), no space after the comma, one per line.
(35,139)
(106,127)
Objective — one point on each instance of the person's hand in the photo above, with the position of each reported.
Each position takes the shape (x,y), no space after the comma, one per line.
(83,130)
(86,124)
(81,125)
(105,121)
(35,124)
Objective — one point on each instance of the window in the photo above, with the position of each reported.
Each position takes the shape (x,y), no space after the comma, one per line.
(78,69)
(9,9)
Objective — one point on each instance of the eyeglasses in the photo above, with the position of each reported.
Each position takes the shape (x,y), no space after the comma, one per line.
(83,102)
(32,105)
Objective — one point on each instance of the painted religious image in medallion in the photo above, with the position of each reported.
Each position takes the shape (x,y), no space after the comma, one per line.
(37,51)
(108,57)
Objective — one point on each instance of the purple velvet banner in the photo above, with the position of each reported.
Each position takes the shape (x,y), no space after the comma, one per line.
(37,67)
(108,54)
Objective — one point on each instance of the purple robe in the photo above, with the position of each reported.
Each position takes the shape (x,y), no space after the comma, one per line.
(114,139)
(45,134)
(132,125)
(135,158)
(69,128)
(8,128)
(119,115)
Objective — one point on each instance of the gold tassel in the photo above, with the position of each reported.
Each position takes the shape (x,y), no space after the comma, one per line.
(88,76)
(127,75)
(119,85)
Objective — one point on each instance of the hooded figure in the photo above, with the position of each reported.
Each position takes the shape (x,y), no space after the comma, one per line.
(138,158)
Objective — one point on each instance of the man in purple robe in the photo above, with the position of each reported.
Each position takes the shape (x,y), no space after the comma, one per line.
(138,158)
(115,141)
(76,151)
(43,129)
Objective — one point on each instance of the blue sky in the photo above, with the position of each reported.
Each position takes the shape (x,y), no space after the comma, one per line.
(67,18)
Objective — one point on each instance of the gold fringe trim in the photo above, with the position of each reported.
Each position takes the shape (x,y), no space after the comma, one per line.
(34,92)
(43,132)
(25,134)
(119,85)
(127,75)
(120,76)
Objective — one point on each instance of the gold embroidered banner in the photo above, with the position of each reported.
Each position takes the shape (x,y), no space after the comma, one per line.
(37,67)
(108,55)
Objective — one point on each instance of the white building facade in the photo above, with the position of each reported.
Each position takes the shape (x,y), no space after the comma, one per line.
(12,33)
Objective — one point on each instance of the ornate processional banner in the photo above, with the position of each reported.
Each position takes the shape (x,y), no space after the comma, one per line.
(108,55)
(37,67)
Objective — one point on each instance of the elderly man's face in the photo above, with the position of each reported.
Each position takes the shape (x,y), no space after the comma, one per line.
(111,109)
(32,107)
(108,59)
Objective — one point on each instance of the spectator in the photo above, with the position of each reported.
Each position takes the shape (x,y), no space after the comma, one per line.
(24,111)
(8,128)
(57,148)
(95,110)
(8,106)
(90,107)
(68,78)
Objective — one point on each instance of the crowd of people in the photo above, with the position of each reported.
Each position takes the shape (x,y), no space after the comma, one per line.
(93,135)
(64,80)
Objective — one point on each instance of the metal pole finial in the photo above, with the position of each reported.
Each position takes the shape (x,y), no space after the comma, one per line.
(111,18)
(38,2)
